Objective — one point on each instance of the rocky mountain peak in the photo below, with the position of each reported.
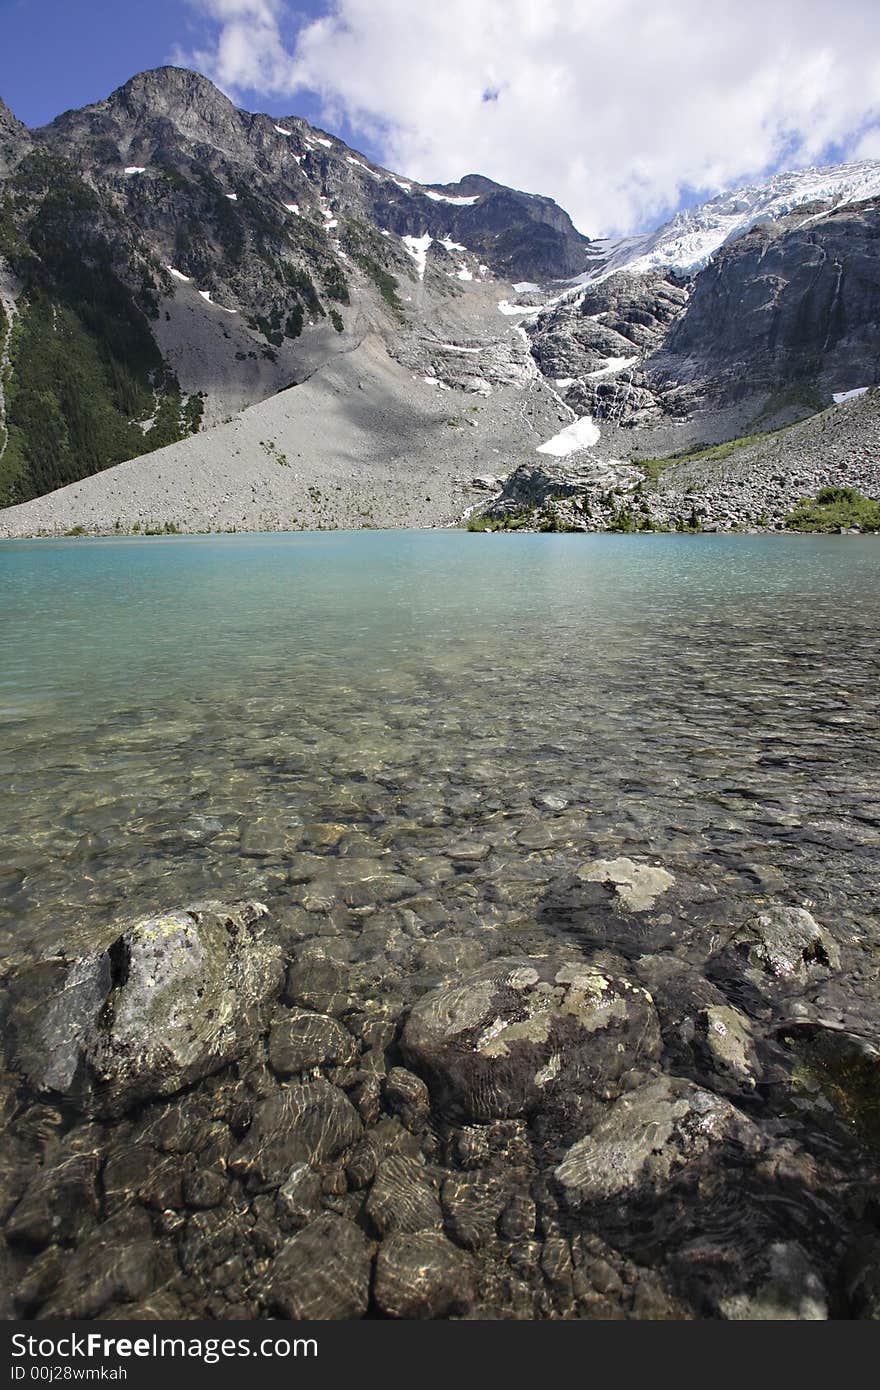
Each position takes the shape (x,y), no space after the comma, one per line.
(14,138)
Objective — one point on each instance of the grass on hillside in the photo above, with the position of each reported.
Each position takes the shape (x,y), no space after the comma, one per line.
(654,468)
(833,508)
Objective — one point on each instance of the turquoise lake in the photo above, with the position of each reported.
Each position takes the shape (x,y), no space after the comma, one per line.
(188,717)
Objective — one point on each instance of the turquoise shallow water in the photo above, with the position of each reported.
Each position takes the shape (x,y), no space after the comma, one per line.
(179,714)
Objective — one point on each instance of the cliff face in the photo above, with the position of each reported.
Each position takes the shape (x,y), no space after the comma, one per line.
(782,319)
(793,306)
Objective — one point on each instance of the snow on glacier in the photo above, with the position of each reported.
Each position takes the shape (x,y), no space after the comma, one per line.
(690,239)
(849,395)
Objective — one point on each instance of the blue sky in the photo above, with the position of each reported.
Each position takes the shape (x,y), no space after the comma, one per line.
(57,54)
(622,110)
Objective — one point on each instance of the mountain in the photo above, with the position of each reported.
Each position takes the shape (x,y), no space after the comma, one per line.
(687,242)
(216,319)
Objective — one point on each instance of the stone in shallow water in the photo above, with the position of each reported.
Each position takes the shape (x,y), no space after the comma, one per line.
(171,1000)
(60,1201)
(299,1197)
(406,1095)
(319,985)
(301,1040)
(637,885)
(296,1124)
(786,943)
(322,1273)
(731,1046)
(646,1137)
(402,1197)
(117,1263)
(790,1291)
(472,1205)
(521,1034)
(422,1276)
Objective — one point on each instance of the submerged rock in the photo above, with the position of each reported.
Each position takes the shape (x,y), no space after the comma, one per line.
(169,1001)
(406,1095)
(402,1197)
(323,1272)
(520,1034)
(60,1201)
(472,1205)
(422,1276)
(296,1124)
(729,1042)
(789,1291)
(646,1137)
(637,885)
(786,943)
(301,1040)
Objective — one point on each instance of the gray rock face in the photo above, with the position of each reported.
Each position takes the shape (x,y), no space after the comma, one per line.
(322,1273)
(645,1138)
(794,303)
(172,999)
(519,1034)
(422,1276)
(533,484)
(15,139)
(595,344)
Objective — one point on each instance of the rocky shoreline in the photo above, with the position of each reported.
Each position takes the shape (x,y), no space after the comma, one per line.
(646,1106)
(751,485)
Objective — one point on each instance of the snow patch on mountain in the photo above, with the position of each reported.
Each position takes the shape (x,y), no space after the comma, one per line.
(612,365)
(417,246)
(580,434)
(690,239)
(206,296)
(448,198)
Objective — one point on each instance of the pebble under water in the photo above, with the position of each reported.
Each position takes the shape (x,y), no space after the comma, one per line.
(411,747)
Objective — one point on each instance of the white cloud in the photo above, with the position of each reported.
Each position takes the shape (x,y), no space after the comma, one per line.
(614,109)
(868,146)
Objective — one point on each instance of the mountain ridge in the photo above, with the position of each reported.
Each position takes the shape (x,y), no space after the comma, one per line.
(249,255)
